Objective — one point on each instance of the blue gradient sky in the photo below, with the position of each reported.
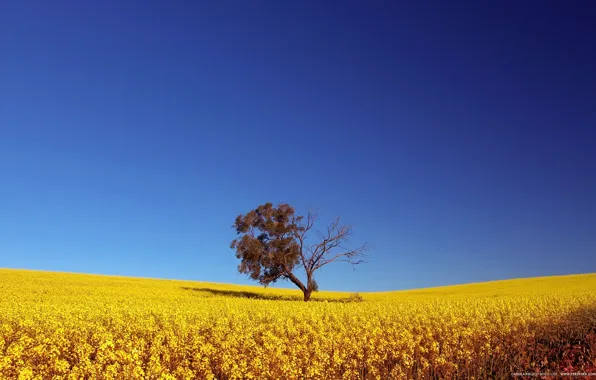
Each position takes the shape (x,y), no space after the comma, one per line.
(459,139)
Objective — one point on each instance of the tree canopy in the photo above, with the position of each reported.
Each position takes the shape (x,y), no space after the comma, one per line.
(273,244)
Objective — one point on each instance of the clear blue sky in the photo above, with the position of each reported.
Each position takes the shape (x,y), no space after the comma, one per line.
(458,138)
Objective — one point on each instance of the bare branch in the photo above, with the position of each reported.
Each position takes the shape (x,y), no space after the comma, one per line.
(311,218)
(300,235)
(352,257)
(324,252)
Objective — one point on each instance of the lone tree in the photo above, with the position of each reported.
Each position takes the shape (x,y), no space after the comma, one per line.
(274,244)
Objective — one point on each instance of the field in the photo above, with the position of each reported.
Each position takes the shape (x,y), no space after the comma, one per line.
(72,326)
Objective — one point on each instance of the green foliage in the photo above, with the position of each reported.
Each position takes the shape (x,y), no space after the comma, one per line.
(268,248)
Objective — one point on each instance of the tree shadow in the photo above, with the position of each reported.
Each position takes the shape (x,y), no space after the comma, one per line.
(243,294)
(260,296)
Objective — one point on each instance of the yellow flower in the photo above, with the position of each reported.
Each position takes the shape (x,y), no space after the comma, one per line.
(86,327)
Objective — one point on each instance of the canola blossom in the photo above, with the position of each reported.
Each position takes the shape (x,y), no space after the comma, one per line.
(74,326)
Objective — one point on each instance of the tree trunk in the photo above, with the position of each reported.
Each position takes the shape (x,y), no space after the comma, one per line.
(307,293)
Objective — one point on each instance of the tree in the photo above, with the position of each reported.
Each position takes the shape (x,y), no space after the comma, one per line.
(273,245)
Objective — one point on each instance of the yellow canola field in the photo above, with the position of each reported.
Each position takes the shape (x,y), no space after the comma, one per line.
(74,326)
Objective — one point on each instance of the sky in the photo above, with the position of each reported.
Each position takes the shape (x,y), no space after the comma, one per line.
(457,138)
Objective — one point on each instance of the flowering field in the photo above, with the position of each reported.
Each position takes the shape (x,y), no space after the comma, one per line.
(70,326)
